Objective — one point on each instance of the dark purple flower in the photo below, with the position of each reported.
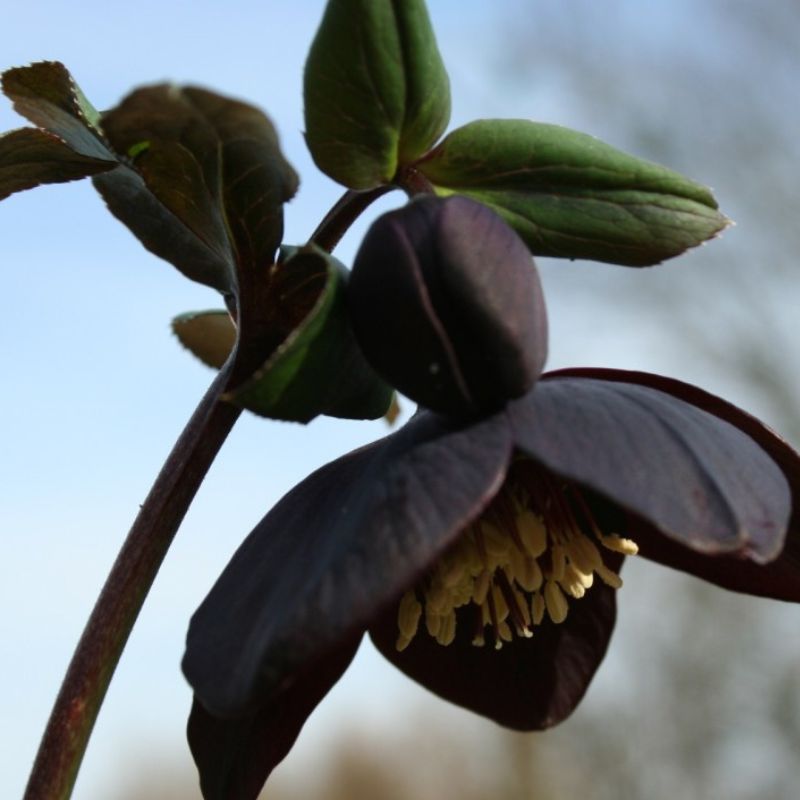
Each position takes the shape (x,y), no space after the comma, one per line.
(546,496)
(479,546)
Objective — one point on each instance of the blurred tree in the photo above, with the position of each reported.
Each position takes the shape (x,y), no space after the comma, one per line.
(711,90)
(708,703)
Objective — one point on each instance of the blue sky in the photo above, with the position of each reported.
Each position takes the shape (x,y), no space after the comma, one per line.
(96,389)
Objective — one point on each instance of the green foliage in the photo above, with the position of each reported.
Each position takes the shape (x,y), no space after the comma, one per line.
(200,180)
(318,367)
(377,98)
(377,95)
(569,195)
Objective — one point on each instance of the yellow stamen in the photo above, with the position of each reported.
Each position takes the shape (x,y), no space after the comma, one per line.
(616,543)
(531,578)
(532,532)
(608,577)
(447,628)
(537,608)
(534,550)
(408,616)
(433,622)
(503,634)
(575,583)
(555,601)
(481,588)
(558,556)
(495,542)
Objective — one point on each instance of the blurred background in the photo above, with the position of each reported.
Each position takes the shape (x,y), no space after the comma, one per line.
(700,693)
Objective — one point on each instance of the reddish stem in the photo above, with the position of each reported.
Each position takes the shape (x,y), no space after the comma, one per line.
(89,673)
(107,630)
(346,211)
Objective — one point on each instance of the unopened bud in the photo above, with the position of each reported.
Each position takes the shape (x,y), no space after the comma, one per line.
(447,306)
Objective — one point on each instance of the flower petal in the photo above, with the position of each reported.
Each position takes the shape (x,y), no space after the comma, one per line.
(334,551)
(530,684)
(447,306)
(692,470)
(780,579)
(236,756)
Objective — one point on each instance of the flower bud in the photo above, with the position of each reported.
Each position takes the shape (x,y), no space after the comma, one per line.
(447,306)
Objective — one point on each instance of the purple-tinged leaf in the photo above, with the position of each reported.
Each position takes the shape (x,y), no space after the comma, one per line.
(315,366)
(213,182)
(256,179)
(201,181)
(693,475)
(30,157)
(47,95)
(164,203)
(200,178)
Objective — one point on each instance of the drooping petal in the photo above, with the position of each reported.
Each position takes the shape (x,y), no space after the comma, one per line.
(235,756)
(693,472)
(334,551)
(530,684)
(779,579)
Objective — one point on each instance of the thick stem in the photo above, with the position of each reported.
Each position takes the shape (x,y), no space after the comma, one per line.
(346,211)
(413,182)
(106,632)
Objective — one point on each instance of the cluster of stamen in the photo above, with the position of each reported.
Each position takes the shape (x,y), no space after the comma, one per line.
(531,550)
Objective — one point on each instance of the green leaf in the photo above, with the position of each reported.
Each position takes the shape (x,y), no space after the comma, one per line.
(569,195)
(318,368)
(377,95)
(30,157)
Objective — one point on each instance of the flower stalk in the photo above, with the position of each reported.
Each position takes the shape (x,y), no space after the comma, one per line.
(344,213)
(107,630)
(106,633)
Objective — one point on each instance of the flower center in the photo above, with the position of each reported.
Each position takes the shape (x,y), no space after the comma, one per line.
(534,547)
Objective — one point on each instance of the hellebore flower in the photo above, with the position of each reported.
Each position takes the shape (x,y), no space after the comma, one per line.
(481,549)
